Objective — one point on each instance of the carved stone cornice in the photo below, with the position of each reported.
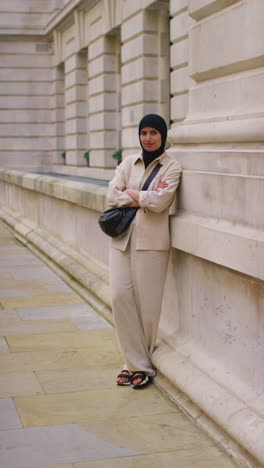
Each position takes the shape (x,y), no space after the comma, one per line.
(65,17)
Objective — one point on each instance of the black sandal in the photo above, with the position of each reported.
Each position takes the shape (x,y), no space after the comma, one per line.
(124,374)
(145,380)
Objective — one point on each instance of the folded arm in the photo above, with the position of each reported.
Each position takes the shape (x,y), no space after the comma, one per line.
(156,200)
(117,195)
(135,194)
(161,198)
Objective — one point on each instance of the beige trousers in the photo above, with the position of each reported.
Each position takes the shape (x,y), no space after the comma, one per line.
(137,280)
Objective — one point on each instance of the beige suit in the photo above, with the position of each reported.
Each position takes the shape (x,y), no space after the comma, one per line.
(139,258)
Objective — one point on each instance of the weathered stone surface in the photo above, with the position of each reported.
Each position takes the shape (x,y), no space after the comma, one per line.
(231,57)
(9,417)
(202,8)
(198,458)
(45,300)
(58,444)
(28,327)
(64,340)
(77,379)
(3,345)
(82,315)
(19,384)
(60,359)
(65,408)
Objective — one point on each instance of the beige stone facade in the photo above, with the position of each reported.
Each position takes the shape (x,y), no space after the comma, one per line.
(76,76)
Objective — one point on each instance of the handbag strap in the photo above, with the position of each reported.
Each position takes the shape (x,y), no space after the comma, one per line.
(151,176)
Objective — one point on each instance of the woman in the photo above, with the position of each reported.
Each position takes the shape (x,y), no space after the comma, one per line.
(139,257)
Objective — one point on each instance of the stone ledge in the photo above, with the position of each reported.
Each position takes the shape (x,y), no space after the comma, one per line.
(92,172)
(215,240)
(202,420)
(207,8)
(80,193)
(231,130)
(234,246)
(233,158)
(221,413)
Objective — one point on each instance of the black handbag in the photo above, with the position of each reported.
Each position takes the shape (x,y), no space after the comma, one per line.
(116,221)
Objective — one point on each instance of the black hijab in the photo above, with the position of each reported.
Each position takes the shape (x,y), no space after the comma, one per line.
(157,122)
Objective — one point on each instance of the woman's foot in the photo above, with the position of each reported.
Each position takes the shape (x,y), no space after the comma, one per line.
(140,379)
(124,378)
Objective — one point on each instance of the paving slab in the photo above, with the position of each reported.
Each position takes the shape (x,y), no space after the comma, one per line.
(70,380)
(31,286)
(9,417)
(27,327)
(38,272)
(62,359)
(14,293)
(45,300)
(30,289)
(155,432)
(15,260)
(8,315)
(18,384)
(191,458)
(5,273)
(16,249)
(65,408)
(82,315)
(3,345)
(79,339)
(55,466)
(26,448)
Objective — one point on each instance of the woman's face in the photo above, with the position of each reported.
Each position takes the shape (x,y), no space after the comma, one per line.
(150,139)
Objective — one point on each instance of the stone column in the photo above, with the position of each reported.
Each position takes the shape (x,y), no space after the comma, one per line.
(76,111)
(145,68)
(58,112)
(225,60)
(26,133)
(180,80)
(103,56)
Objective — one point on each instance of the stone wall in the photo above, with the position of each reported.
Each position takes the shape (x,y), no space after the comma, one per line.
(25,59)
(212,326)
(82,76)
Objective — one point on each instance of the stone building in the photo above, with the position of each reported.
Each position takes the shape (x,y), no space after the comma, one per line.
(75,77)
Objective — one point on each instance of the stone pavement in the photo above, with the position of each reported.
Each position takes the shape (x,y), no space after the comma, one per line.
(59,405)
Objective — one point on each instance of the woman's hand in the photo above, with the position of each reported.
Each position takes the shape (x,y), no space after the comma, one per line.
(133,194)
(134,204)
(162,185)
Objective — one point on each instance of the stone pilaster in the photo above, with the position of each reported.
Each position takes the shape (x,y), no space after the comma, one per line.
(145,69)
(226,54)
(76,109)
(58,112)
(180,81)
(26,133)
(104,101)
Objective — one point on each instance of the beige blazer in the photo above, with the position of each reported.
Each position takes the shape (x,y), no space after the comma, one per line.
(152,219)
